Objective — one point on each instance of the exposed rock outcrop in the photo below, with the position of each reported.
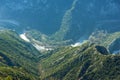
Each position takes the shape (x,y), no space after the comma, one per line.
(114,47)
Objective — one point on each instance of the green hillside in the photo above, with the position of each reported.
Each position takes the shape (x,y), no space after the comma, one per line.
(91,60)
(85,62)
(18,59)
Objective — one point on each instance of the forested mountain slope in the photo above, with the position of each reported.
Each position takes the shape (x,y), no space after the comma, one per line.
(17,57)
(89,61)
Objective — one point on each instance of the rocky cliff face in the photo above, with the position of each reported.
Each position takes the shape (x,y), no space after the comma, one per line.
(115,46)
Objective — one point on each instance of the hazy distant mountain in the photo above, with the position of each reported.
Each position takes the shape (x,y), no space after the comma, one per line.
(75,20)
(86,16)
(44,15)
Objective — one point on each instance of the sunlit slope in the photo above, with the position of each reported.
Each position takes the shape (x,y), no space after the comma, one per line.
(85,62)
(18,59)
